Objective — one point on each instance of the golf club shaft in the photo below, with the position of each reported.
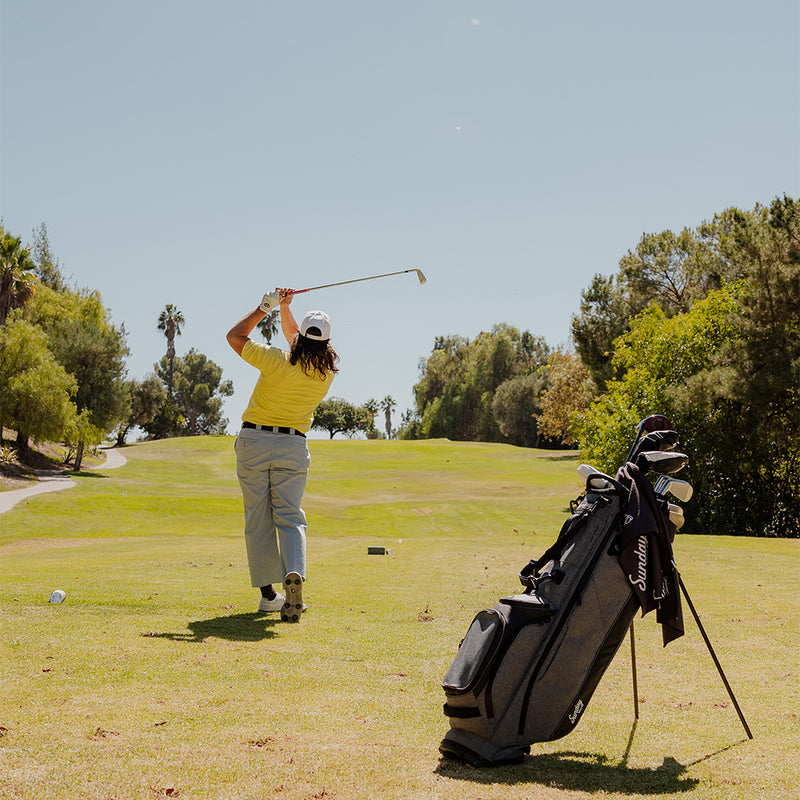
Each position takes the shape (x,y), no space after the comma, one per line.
(359,280)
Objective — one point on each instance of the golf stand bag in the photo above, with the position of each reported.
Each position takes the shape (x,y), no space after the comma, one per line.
(528,666)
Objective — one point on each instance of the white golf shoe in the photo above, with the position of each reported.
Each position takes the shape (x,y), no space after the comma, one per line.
(267,606)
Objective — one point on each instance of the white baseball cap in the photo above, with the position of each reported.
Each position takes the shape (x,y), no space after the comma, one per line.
(319,320)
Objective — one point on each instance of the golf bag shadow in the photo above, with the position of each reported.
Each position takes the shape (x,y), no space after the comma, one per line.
(527,668)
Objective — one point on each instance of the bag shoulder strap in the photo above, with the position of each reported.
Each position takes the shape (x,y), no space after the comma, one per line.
(572,525)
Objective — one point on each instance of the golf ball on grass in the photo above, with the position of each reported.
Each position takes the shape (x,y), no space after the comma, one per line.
(58,596)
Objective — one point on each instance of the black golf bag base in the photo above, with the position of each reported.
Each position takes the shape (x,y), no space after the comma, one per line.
(527,668)
(470,749)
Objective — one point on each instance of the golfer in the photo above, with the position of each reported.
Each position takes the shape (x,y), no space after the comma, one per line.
(272,455)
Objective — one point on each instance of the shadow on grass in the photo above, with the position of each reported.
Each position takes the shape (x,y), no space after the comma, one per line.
(577,772)
(251,627)
(563,455)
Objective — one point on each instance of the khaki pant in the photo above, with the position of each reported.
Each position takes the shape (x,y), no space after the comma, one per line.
(272,469)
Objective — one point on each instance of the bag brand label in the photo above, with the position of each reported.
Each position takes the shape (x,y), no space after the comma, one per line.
(576,712)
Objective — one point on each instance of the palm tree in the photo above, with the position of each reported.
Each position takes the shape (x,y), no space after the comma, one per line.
(16,275)
(170,322)
(387,404)
(270,325)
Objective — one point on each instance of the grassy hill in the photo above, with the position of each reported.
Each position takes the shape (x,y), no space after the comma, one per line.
(156,679)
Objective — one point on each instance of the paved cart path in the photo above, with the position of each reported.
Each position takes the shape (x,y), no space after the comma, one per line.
(55,482)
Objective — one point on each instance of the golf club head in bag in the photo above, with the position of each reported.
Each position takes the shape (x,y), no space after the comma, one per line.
(594,478)
(655,422)
(676,515)
(655,440)
(681,490)
(661,462)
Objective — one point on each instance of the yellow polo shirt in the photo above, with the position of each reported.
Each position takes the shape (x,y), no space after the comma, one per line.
(284,395)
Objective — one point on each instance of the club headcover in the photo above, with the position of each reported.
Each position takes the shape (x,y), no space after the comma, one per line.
(658,440)
(661,462)
(655,422)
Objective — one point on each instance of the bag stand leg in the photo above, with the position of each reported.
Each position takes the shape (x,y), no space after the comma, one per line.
(714,657)
(635,681)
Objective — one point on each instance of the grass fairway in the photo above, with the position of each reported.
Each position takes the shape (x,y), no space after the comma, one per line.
(155,678)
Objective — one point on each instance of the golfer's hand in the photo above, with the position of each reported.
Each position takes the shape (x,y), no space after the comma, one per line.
(286,295)
(270,301)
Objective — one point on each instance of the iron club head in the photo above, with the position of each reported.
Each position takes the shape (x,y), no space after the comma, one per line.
(682,490)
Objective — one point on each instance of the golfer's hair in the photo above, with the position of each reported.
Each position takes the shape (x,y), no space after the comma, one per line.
(314,356)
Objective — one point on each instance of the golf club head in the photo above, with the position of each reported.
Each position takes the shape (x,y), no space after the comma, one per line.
(655,422)
(585,470)
(682,490)
(421,277)
(676,515)
(594,478)
(661,462)
(656,440)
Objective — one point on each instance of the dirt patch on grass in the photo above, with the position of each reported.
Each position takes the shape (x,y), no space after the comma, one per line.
(39,545)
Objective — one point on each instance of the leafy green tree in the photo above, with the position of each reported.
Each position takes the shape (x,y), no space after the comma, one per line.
(92,350)
(198,392)
(48,270)
(147,398)
(170,321)
(756,375)
(457,385)
(603,317)
(16,274)
(671,270)
(36,390)
(515,407)
(371,407)
(744,473)
(336,415)
(656,359)
(726,371)
(441,368)
(166,422)
(765,357)
(568,395)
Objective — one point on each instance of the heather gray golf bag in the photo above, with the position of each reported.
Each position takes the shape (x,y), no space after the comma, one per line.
(528,667)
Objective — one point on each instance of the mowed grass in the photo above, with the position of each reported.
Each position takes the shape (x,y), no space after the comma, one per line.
(155,678)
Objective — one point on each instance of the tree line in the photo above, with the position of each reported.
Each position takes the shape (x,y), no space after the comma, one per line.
(702,326)
(62,363)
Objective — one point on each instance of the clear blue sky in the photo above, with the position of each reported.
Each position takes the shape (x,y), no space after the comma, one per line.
(201,153)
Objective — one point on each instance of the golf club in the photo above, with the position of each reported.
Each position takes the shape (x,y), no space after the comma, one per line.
(358,280)
(655,422)
(598,479)
(657,440)
(680,489)
(661,462)
(675,515)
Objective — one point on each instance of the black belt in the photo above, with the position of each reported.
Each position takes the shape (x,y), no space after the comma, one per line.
(272,429)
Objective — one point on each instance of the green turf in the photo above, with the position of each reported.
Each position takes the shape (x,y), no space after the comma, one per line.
(156,678)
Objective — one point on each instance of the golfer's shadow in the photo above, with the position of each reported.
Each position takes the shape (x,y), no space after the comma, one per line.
(251,627)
